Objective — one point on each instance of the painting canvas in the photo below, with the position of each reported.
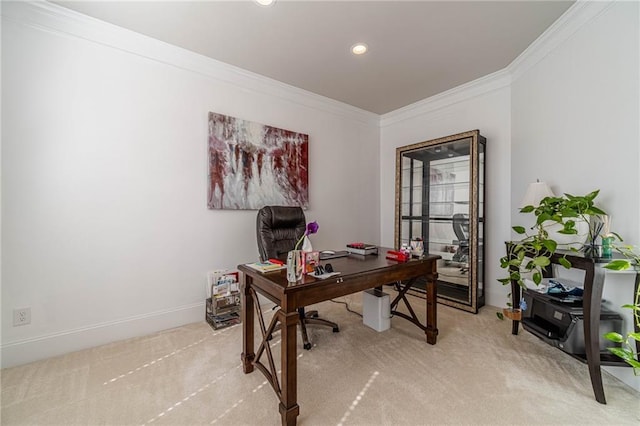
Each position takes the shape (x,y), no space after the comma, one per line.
(252,165)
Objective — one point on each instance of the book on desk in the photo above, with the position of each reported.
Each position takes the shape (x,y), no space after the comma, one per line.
(362,248)
(268,266)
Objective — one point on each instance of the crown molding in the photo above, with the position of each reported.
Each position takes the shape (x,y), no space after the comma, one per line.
(579,14)
(55,19)
(58,20)
(466,91)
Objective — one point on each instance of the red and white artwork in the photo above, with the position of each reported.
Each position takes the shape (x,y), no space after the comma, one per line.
(252,165)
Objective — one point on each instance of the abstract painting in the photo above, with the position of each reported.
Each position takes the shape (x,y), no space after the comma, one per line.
(252,165)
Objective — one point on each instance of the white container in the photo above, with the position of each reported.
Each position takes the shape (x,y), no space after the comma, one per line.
(376,312)
(566,241)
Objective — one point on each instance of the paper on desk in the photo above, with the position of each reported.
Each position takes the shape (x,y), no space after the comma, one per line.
(542,288)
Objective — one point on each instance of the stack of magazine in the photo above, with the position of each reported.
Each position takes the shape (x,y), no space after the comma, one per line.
(362,248)
(223,304)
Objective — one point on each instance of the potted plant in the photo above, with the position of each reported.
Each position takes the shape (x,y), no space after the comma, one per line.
(532,253)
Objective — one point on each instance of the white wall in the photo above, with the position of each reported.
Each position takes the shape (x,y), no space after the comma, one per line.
(569,117)
(575,116)
(105,228)
(483,105)
(105,231)
(575,124)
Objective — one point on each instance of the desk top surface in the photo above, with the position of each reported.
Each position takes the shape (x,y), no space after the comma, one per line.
(348,266)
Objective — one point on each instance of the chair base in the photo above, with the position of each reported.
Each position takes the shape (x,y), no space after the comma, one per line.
(310,317)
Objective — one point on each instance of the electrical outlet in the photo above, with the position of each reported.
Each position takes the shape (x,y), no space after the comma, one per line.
(21,316)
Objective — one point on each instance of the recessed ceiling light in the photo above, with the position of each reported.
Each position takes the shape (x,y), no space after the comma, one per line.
(359,49)
(265,2)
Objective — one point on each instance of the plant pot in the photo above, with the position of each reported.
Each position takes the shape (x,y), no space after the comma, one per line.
(512,314)
(566,241)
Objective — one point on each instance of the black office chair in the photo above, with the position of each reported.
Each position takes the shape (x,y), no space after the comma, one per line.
(461,229)
(278,229)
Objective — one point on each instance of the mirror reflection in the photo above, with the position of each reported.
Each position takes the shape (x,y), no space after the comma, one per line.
(440,202)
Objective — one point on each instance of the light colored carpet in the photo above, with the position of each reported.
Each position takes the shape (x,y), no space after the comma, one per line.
(478,373)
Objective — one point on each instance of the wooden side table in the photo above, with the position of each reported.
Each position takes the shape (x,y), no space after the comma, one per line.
(592,301)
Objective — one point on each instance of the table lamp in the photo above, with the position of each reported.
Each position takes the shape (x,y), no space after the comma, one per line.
(536,191)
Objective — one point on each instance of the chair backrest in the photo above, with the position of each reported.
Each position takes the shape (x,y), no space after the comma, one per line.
(278,229)
(461,226)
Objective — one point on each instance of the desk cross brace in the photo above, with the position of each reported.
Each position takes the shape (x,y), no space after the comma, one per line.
(401,296)
(270,373)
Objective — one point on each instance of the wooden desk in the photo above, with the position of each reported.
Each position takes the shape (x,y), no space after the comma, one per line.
(357,273)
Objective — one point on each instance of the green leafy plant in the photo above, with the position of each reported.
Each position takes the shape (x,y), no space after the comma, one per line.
(532,253)
(566,211)
(626,351)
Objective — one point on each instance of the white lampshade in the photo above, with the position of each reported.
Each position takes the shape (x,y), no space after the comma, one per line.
(536,191)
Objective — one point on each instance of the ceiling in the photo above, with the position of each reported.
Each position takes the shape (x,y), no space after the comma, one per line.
(416,48)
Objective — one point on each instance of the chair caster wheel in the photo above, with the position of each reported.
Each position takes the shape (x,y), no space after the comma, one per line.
(307,346)
(336,329)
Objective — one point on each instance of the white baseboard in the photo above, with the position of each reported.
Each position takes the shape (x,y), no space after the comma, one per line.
(35,349)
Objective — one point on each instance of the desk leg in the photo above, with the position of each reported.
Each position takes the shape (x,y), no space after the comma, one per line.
(248,354)
(593,299)
(289,408)
(432,305)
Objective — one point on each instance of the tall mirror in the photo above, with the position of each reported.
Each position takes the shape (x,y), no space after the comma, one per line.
(440,200)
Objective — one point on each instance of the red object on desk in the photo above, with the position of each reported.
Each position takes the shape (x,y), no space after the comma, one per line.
(398,256)
(276,261)
(356,245)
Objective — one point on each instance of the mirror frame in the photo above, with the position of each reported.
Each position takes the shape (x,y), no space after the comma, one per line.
(476,302)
